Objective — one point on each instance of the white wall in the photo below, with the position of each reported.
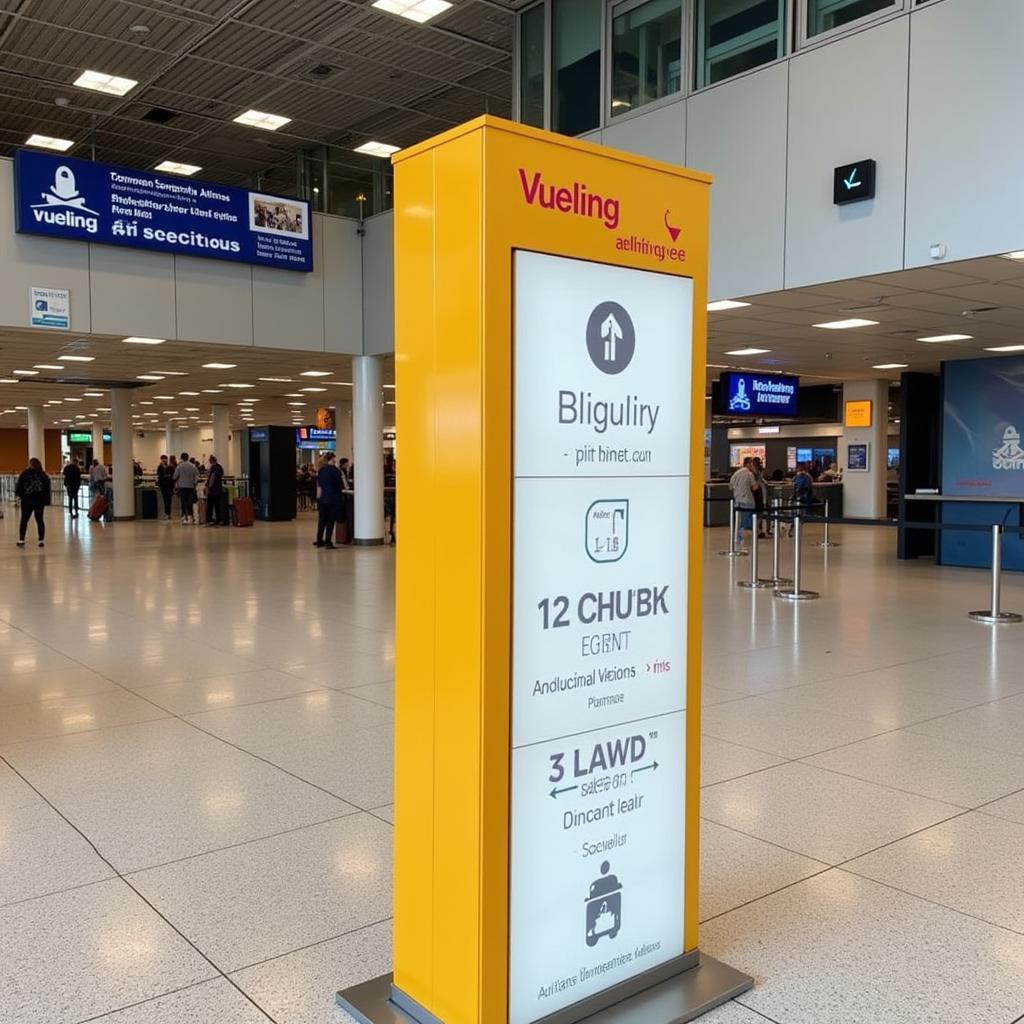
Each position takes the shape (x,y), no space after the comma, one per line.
(379,285)
(661,134)
(129,291)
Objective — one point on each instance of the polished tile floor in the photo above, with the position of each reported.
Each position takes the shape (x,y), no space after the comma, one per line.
(195,782)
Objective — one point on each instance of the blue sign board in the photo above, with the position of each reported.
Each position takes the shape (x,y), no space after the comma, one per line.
(62,197)
(758,394)
(259,434)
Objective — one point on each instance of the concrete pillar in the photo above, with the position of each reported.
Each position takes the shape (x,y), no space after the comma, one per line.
(170,441)
(367,454)
(221,431)
(864,492)
(121,431)
(97,442)
(234,463)
(37,435)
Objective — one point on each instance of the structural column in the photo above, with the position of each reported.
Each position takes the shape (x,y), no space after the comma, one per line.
(36,434)
(169,441)
(221,433)
(367,434)
(865,422)
(121,454)
(97,443)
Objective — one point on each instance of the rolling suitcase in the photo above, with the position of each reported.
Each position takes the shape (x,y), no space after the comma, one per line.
(245,514)
(98,509)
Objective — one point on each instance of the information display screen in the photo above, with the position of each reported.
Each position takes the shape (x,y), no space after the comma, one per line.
(63,197)
(739,452)
(757,394)
(601,484)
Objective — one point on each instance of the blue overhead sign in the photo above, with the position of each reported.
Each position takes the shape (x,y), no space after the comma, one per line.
(759,394)
(66,198)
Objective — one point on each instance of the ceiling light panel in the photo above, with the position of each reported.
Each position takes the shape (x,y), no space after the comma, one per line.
(49,142)
(721,305)
(112,85)
(143,341)
(946,337)
(748,352)
(259,119)
(846,325)
(219,366)
(381,149)
(173,167)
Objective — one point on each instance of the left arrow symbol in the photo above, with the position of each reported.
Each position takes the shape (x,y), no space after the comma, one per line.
(556,791)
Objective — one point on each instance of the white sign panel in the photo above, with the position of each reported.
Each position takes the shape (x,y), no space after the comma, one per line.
(601,493)
(49,307)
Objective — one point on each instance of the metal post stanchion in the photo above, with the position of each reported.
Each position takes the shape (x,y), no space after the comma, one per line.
(795,592)
(733,551)
(777,578)
(995,614)
(826,543)
(754,583)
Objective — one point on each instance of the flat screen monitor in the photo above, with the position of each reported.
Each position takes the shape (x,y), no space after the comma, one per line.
(739,452)
(892,458)
(757,394)
(805,455)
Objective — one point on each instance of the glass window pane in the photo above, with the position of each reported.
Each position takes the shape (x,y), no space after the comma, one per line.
(646,54)
(531,67)
(576,57)
(823,15)
(734,36)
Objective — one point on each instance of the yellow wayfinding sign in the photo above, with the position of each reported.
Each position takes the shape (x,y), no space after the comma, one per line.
(550,339)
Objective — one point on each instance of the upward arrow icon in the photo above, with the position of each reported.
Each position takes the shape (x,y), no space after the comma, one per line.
(612,334)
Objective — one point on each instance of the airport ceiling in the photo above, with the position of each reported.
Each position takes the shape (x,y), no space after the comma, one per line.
(982,298)
(271,383)
(344,73)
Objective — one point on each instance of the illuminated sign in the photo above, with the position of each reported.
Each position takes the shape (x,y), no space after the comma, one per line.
(853,183)
(858,414)
(758,394)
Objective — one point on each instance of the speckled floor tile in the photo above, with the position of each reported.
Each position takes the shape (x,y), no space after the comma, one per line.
(818,813)
(61,684)
(357,766)
(953,772)
(721,760)
(719,695)
(197,695)
(971,864)
(991,726)
(212,1002)
(300,988)
(40,853)
(379,693)
(840,949)
(160,817)
(23,722)
(735,869)
(85,952)
(733,1013)
(257,901)
(387,812)
(1009,807)
(782,729)
(360,669)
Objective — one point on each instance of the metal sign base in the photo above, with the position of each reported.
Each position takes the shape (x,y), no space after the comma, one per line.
(755,584)
(680,999)
(788,594)
(739,553)
(826,544)
(999,617)
(781,582)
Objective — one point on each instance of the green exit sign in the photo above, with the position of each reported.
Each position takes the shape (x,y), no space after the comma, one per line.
(79,438)
(853,183)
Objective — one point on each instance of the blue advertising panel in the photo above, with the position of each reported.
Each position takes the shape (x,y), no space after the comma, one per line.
(983,415)
(758,394)
(62,197)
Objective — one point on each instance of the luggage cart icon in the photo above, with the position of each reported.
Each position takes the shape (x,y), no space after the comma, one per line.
(604,907)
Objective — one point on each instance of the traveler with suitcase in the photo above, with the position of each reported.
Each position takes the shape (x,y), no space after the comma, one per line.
(34,490)
(216,507)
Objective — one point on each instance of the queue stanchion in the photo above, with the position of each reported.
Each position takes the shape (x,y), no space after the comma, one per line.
(733,551)
(994,614)
(754,583)
(777,578)
(826,542)
(795,592)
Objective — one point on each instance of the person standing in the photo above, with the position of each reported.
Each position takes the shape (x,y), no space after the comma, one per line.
(742,485)
(72,474)
(328,494)
(760,496)
(97,478)
(215,494)
(34,490)
(165,483)
(185,478)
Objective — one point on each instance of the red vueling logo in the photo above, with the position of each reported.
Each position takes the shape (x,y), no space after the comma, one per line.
(577,199)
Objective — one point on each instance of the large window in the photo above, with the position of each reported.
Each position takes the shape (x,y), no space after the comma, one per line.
(531,67)
(734,36)
(576,60)
(825,15)
(646,53)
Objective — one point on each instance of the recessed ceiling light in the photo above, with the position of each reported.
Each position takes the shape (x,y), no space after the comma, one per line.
(890,366)
(1018,255)
(723,304)
(173,167)
(376,148)
(390,387)
(845,325)
(219,366)
(149,376)
(296,403)
(191,408)
(748,352)
(8,380)
(48,142)
(188,394)
(257,119)
(144,341)
(1006,348)
(25,373)
(72,399)
(277,380)
(314,389)
(947,337)
(77,359)
(93,394)
(109,84)
(415,10)
(293,394)
(145,403)
(164,398)
(171,373)
(238,385)
(212,391)
(48,366)
(315,373)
